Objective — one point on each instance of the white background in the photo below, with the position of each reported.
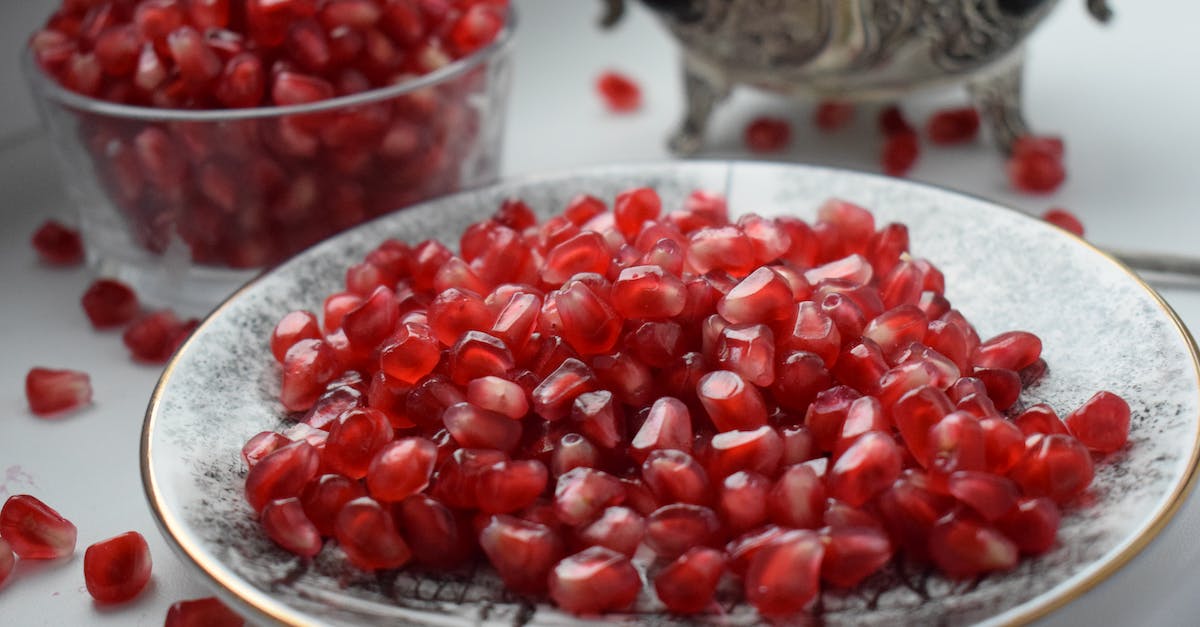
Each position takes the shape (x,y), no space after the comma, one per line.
(1126,97)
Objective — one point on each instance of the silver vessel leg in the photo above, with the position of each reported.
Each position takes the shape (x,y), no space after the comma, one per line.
(997,96)
(701,91)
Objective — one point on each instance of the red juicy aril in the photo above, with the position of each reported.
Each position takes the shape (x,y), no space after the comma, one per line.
(117,569)
(50,392)
(246,193)
(34,530)
(660,378)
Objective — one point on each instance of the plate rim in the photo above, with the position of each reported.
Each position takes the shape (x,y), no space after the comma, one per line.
(263,606)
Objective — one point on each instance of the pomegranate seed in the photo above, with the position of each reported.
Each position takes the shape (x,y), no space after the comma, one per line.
(963,548)
(34,530)
(1036,165)
(411,354)
(287,525)
(763,296)
(582,494)
(672,529)
(953,126)
(1040,418)
(109,303)
(1064,220)
(991,496)
(7,560)
(436,537)
(766,134)
(827,413)
(573,451)
(51,392)
(900,153)
(401,468)
(832,116)
(730,401)
(621,94)
(798,498)
(892,122)
(674,476)
(282,474)
(867,467)
(668,425)
(915,414)
(198,65)
(355,439)
(1056,465)
(909,512)
(742,500)
(522,552)
(1032,525)
(324,498)
(207,612)
(648,292)
(293,327)
(1101,423)
(853,553)
(555,395)
(599,417)
(785,575)
(1003,444)
(757,451)
(593,581)
(154,337)
(618,528)
(1012,350)
(506,487)
(57,244)
(367,535)
(1003,386)
(687,585)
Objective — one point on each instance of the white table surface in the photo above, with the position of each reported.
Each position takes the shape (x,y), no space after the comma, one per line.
(1126,98)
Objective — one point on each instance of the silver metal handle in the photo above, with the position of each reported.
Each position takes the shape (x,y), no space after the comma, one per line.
(1162,269)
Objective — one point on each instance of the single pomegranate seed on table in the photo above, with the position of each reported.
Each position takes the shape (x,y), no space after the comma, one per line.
(34,530)
(832,116)
(1035,166)
(621,94)
(109,303)
(891,122)
(1064,220)
(154,337)
(767,134)
(206,612)
(57,244)
(900,153)
(50,392)
(117,569)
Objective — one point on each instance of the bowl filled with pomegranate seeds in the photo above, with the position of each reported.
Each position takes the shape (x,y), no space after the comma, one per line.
(204,140)
(714,392)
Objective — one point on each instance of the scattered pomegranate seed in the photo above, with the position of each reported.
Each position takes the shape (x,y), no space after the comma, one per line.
(805,394)
(117,569)
(154,337)
(51,392)
(34,530)
(953,126)
(110,303)
(892,122)
(58,244)
(900,152)
(1036,166)
(1064,220)
(621,94)
(767,134)
(832,116)
(207,612)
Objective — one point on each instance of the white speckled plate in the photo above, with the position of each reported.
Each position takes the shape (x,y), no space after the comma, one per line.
(1102,329)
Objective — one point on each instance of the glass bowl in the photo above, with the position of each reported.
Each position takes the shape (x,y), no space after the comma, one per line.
(186,205)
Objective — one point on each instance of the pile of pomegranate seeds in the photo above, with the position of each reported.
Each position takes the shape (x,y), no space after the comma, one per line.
(117,569)
(621,94)
(791,405)
(52,392)
(248,193)
(57,244)
(766,134)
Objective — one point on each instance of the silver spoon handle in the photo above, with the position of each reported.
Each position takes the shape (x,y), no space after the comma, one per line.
(1162,269)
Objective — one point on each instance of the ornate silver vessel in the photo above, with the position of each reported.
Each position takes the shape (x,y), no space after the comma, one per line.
(852,50)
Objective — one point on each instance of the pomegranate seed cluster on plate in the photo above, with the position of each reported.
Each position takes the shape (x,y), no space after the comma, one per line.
(251,189)
(663,393)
